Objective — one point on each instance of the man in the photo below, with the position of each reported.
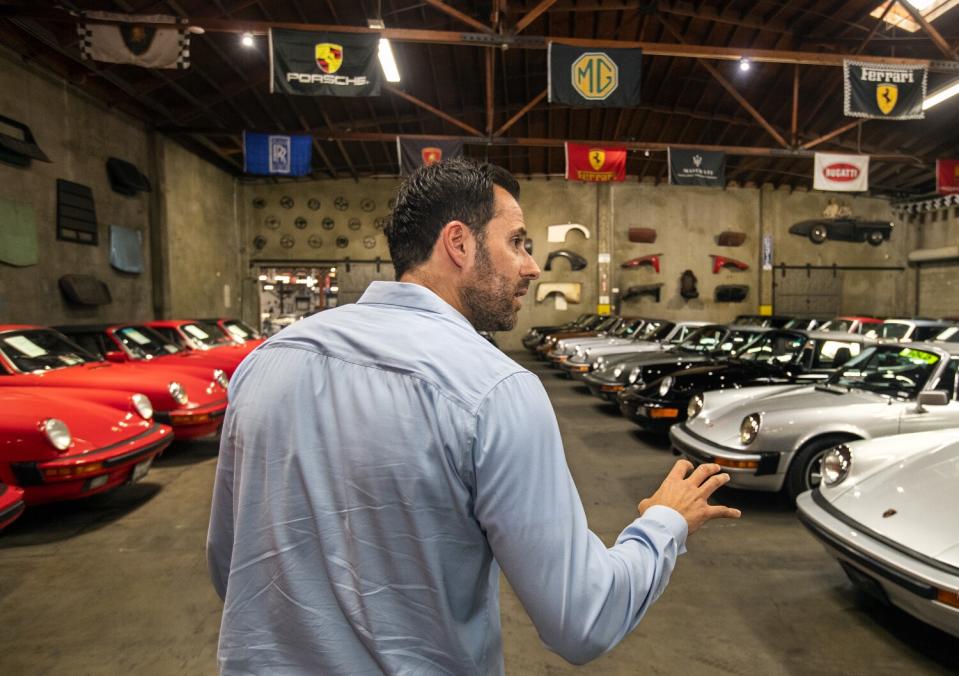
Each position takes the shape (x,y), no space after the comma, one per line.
(379,460)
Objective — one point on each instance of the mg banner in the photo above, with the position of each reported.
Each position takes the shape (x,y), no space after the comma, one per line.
(596,164)
(594,77)
(844,173)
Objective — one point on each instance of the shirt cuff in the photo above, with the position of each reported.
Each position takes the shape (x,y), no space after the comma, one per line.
(671,520)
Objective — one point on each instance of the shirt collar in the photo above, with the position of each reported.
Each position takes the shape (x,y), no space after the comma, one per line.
(404,294)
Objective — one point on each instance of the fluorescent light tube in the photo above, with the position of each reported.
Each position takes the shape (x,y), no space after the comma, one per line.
(938,97)
(387,61)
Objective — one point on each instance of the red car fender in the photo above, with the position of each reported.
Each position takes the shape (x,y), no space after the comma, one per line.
(720,262)
(649,259)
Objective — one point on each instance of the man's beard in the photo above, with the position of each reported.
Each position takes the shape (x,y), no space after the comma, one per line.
(488,296)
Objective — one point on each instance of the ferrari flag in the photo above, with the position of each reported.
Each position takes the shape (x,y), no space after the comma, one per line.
(947,177)
(151,41)
(595,163)
(883,91)
(593,77)
(324,64)
(414,153)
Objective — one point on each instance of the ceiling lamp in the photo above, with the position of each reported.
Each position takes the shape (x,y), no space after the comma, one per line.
(387,60)
(745,64)
(247,39)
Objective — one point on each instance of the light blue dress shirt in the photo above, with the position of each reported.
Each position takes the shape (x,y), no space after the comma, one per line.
(377,462)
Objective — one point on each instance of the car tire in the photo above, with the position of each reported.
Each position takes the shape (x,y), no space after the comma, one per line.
(804,473)
(875,237)
(818,234)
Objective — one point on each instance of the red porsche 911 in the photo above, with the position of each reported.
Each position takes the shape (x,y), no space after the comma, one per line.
(61,444)
(11,504)
(31,356)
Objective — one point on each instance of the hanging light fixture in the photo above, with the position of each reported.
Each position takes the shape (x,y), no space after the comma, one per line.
(247,39)
(745,64)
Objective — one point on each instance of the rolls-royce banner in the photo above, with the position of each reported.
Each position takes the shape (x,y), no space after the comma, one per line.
(696,167)
(844,173)
(414,152)
(884,91)
(947,177)
(596,164)
(284,155)
(594,77)
(324,64)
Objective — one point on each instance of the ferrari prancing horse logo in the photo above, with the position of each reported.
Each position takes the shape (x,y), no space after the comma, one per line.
(597,158)
(886,96)
(329,57)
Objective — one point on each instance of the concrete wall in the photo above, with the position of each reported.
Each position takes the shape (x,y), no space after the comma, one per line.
(78,135)
(191,240)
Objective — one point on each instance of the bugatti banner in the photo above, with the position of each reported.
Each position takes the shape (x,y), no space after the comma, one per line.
(697,167)
(595,163)
(947,177)
(884,91)
(324,64)
(414,153)
(581,77)
(844,173)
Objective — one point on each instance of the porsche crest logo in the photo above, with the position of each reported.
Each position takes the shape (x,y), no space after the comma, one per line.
(329,57)
(597,158)
(886,96)
(431,155)
(595,76)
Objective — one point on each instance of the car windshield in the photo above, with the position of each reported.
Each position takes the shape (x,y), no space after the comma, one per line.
(831,354)
(142,342)
(838,325)
(650,329)
(950,335)
(703,340)
(42,350)
(894,330)
(773,348)
(205,334)
(660,332)
(682,333)
(240,330)
(607,323)
(897,372)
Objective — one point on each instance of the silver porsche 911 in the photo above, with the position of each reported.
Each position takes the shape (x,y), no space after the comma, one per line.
(773,438)
(888,511)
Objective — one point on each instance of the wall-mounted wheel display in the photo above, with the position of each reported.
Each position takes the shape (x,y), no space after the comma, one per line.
(271,222)
(381,222)
(341,203)
(313,204)
(286,202)
(259,242)
(287,241)
(369,242)
(354,223)
(315,241)
(328,223)
(367,204)
(342,242)
(259,203)
(300,223)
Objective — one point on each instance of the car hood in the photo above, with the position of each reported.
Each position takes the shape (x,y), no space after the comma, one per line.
(921,488)
(623,346)
(779,405)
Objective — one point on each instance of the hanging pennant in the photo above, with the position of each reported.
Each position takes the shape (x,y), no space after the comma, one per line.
(324,64)
(881,91)
(150,41)
(844,173)
(598,164)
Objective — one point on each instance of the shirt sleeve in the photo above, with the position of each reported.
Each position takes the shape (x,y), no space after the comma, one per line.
(219,541)
(582,596)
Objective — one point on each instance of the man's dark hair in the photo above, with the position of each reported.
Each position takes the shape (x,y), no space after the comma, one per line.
(453,190)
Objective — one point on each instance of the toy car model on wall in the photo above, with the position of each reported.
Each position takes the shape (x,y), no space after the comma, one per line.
(843,229)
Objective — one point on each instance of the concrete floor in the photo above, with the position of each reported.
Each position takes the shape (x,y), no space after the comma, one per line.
(117,584)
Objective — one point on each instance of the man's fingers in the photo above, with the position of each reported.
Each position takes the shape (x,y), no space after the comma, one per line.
(710,485)
(720,512)
(703,472)
(680,470)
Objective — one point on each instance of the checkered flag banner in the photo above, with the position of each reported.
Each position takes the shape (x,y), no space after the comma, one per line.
(150,41)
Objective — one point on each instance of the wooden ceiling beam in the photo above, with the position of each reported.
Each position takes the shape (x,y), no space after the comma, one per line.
(436,111)
(489,58)
(459,16)
(522,111)
(947,50)
(830,135)
(532,15)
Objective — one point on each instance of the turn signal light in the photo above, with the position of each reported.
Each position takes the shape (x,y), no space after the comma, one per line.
(71,472)
(950,598)
(663,412)
(189,419)
(737,464)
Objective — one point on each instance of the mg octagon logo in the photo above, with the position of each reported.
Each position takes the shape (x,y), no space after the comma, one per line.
(595,76)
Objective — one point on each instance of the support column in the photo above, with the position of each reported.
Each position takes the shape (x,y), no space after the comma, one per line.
(159,255)
(604,244)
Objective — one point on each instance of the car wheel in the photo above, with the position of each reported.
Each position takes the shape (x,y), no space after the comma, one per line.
(805,471)
(874,237)
(818,234)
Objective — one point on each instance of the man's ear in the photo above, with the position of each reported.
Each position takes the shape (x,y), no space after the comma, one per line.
(457,241)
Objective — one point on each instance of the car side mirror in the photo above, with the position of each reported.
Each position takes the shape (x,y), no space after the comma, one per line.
(932,398)
(116,357)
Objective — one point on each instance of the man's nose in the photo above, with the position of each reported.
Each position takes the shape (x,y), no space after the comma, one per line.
(530,269)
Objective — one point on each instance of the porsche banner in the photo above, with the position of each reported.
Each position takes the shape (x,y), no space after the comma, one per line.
(843,173)
(882,91)
(696,167)
(324,64)
(594,77)
(595,163)
(415,153)
(947,177)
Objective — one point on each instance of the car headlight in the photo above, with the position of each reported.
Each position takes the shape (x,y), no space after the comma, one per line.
(749,428)
(58,434)
(617,372)
(178,393)
(579,352)
(221,378)
(634,376)
(664,385)
(695,406)
(600,363)
(143,405)
(836,465)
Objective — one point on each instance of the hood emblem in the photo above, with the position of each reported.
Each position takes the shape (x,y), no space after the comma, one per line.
(888,513)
